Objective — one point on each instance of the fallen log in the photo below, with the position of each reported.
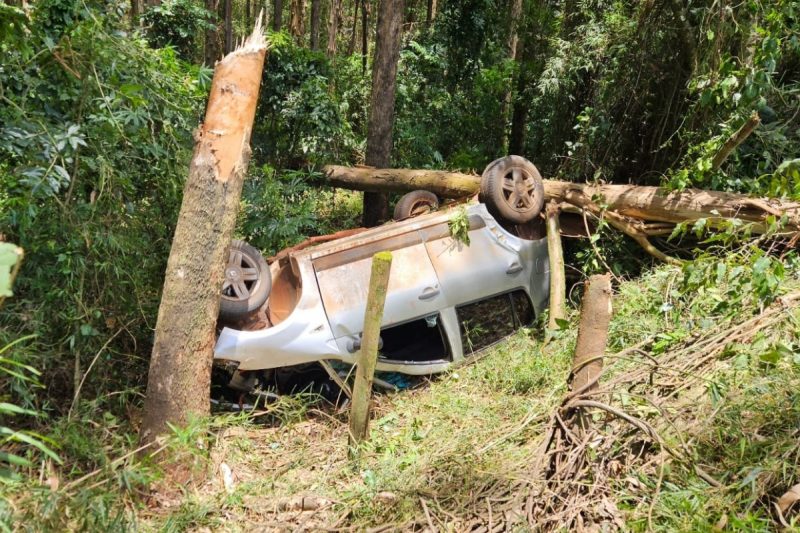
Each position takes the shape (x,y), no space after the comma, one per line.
(651,204)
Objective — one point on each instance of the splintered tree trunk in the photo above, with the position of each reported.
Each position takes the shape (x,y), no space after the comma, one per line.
(592,333)
(315,17)
(381,109)
(178,383)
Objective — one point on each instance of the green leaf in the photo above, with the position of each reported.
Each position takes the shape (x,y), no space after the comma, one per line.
(10,254)
(10,408)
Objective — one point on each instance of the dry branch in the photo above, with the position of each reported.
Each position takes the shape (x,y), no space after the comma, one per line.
(735,140)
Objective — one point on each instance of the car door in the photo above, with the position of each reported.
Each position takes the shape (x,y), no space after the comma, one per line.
(343,277)
(485,267)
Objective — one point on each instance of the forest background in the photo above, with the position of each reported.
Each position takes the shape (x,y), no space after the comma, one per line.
(98,101)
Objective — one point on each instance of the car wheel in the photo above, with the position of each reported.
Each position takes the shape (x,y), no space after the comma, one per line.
(247,282)
(512,189)
(415,203)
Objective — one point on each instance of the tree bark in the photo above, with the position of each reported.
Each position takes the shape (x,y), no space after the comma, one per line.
(368,354)
(229,26)
(651,204)
(430,15)
(277,15)
(333,26)
(592,333)
(212,50)
(590,347)
(315,18)
(381,110)
(558,284)
(136,10)
(178,383)
(351,48)
(297,25)
(365,8)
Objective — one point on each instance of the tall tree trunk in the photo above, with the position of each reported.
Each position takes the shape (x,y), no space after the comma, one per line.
(228,26)
(315,16)
(333,26)
(430,15)
(365,8)
(178,383)
(511,47)
(213,36)
(298,22)
(136,10)
(381,110)
(248,9)
(277,15)
(351,48)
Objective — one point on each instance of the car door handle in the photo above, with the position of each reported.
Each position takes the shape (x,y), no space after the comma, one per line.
(514,268)
(428,293)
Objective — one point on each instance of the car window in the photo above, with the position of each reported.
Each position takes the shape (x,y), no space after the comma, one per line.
(487,321)
(416,341)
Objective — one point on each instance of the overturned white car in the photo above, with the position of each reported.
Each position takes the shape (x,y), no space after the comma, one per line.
(446,299)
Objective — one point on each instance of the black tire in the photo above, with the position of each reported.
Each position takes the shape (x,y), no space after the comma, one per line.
(247,284)
(512,189)
(415,203)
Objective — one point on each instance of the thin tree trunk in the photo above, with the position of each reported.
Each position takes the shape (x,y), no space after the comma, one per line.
(368,354)
(277,15)
(136,9)
(212,50)
(248,8)
(178,383)
(558,287)
(298,23)
(381,112)
(315,18)
(430,15)
(333,26)
(511,46)
(229,26)
(365,9)
(351,47)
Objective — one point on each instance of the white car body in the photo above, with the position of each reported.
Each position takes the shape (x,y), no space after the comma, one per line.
(319,294)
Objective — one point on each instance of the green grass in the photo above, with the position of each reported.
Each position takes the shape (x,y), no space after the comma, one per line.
(477,427)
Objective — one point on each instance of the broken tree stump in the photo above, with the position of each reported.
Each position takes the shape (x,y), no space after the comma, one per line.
(178,384)
(368,355)
(595,317)
(558,284)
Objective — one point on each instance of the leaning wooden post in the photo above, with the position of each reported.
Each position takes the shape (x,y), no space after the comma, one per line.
(368,355)
(178,383)
(558,284)
(592,335)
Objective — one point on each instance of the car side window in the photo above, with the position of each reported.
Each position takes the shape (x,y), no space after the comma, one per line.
(487,321)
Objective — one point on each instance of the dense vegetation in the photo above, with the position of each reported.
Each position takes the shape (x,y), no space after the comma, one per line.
(97,110)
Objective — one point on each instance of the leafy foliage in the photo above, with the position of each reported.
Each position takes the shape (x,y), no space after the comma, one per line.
(177,23)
